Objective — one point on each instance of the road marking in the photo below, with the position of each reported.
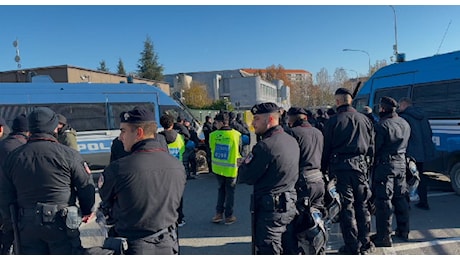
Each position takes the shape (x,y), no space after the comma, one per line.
(410,246)
(213,241)
(441,194)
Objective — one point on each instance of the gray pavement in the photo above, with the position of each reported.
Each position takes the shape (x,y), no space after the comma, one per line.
(434,232)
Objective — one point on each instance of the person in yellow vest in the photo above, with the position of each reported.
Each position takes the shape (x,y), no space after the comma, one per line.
(226,146)
(176,147)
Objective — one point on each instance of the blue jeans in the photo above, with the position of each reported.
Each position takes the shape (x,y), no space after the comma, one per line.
(225,195)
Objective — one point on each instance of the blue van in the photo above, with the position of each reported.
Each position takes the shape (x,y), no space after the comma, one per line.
(433,84)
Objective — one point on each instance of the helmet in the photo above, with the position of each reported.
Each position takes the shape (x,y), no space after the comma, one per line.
(245,139)
(190,144)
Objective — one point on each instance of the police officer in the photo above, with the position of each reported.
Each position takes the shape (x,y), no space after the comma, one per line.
(389,178)
(207,129)
(45,178)
(225,145)
(310,186)
(273,168)
(348,139)
(144,188)
(18,137)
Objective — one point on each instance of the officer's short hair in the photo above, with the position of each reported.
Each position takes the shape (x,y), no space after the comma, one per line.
(406,100)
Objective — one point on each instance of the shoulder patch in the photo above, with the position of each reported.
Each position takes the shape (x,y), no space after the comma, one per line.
(248,158)
(100,181)
(87,169)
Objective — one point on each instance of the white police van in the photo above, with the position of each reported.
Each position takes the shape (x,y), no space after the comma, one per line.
(92,109)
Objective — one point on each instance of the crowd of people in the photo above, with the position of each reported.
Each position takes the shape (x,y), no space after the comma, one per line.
(297,155)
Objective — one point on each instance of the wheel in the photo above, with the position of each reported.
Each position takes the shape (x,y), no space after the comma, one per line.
(455,178)
(201,162)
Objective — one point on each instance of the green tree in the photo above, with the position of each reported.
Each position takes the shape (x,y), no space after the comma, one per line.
(120,67)
(196,96)
(102,66)
(148,66)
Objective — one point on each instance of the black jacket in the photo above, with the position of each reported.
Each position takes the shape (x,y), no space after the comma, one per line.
(273,165)
(311,144)
(144,190)
(43,170)
(391,137)
(347,134)
(11,142)
(421,146)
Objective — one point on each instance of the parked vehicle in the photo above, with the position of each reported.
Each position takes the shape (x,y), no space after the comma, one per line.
(92,109)
(433,84)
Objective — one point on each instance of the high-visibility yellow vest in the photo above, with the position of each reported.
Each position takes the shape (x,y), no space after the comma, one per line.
(225,152)
(177,148)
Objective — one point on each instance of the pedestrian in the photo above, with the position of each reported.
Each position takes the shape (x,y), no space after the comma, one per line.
(273,168)
(190,150)
(66,135)
(310,188)
(246,135)
(143,189)
(45,179)
(225,145)
(367,111)
(176,147)
(18,137)
(207,129)
(389,177)
(420,147)
(348,140)
(183,130)
(321,119)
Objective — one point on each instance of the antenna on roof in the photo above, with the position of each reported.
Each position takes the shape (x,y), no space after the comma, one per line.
(17,58)
(443,37)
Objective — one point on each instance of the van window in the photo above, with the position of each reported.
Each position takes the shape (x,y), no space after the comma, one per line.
(360,102)
(83,117)
(438,100)
(117,108)
(396,93)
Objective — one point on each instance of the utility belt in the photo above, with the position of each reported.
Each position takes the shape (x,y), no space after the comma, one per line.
(280,202)
(311,176)
(47,213)
(391,157)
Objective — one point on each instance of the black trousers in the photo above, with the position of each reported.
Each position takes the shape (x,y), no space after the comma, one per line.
(355,219)
(269,228)
(303,220)
(390,191)
(47,239)
(164,244)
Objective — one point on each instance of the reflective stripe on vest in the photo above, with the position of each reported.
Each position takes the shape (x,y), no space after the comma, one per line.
(225,152)
(177,148)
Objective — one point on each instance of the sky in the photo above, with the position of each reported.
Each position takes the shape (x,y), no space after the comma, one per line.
(194,38)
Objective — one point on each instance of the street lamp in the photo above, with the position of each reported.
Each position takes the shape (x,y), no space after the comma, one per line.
(369,56)
(395,47)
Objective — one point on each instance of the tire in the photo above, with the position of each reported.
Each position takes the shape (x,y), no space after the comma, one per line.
(455,178)
(201,162)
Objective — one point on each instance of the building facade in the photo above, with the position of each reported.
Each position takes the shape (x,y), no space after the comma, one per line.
(242,89)
(72,74)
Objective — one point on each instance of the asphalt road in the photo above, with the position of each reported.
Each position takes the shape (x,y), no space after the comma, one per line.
(434,232)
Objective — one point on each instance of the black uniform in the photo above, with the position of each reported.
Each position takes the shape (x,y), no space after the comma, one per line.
(348,139)
(144,190)
(44,177)
(273,168)
(389,178)
(117,150)
(11,142)
(310,187)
